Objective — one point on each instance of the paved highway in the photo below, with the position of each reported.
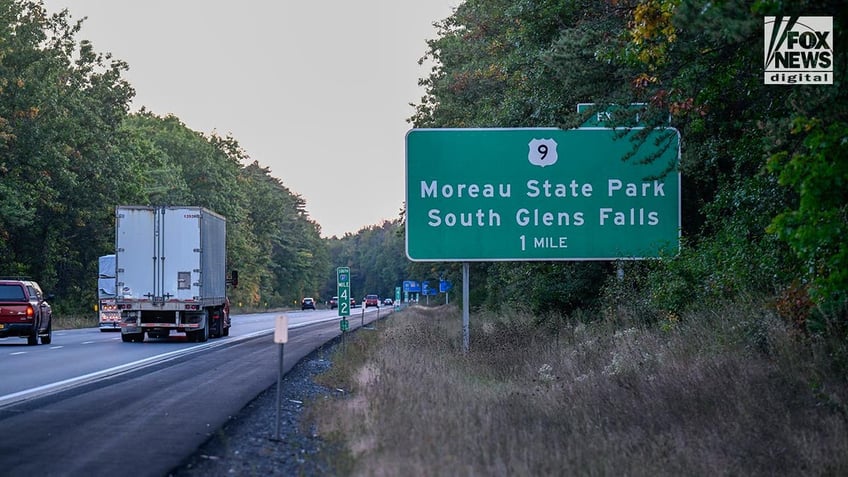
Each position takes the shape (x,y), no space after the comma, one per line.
(89,404)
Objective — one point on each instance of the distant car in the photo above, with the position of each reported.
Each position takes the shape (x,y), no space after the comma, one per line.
(334,302)
(352,302)
(24,312)
(307,303)
(388,302)
(372,300)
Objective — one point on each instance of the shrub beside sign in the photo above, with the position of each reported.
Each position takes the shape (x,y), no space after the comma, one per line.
(541,194)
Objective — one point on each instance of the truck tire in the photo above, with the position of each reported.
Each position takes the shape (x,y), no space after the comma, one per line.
(218,323)
(132,337)
(48,338)
(32,338)
(199,336)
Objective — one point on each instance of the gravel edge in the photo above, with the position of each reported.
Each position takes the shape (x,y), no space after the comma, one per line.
(245,446)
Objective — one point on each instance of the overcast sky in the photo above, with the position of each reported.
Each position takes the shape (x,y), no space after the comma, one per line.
(319,92)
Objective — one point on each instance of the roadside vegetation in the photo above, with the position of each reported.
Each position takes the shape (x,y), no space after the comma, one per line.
(735,390)
(730,358)
(75,321)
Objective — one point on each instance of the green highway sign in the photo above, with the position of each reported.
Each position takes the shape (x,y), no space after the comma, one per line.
(614,115)
(606,117)
(542,194)
(343,281)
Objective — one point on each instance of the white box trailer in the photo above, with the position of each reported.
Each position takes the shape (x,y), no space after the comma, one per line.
(170,268)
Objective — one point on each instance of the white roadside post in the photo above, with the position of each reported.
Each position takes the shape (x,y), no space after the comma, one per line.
(281,336)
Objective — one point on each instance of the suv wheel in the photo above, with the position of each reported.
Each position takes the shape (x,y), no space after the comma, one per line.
(48,338)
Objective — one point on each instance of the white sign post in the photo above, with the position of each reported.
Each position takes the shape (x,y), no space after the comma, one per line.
(281,336)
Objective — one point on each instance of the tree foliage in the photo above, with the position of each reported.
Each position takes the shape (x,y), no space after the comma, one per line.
(763,166)
(522,64)
(817,227)
(70,151)
(60,109)
(376,257)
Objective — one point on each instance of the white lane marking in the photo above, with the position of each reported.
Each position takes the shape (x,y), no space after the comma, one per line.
(124,368)
(17,352)
(133,366)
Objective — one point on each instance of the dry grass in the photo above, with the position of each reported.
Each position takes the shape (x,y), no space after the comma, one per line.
(69,322)
(703,396)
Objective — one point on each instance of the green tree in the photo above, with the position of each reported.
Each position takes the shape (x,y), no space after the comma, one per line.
(504,63)
(294,259)
(817,227)
(60,109)
(70,152)
(703,70)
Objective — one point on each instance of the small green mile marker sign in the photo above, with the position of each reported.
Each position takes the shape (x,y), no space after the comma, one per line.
(542,194)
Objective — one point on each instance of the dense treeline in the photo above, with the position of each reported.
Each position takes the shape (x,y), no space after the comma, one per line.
(764,167)
(70,151)
(376,257)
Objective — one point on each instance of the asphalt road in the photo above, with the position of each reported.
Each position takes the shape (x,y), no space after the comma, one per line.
(140,413)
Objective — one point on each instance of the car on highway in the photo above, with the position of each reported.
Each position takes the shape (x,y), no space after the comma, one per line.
(334,303)
(24,311)
(388,302)
(307,303)
(372,300)
(352,302)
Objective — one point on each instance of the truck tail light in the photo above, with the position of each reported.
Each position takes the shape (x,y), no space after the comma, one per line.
(30,312)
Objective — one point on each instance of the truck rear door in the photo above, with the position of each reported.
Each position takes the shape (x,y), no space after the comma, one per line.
(135,253)
(181,252)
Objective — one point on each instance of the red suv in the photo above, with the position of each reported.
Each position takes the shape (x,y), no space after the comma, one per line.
(24,311)
(372,300)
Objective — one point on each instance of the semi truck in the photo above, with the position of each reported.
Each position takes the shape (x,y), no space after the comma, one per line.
(107,310)
(170,272)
